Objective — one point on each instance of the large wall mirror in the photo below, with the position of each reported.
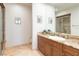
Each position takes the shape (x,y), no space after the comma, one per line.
(67,18)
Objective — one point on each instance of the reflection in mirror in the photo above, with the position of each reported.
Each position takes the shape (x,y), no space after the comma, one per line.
(63,24)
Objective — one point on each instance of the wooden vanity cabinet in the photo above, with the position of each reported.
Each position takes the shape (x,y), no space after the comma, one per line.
(52,48)
(49,47)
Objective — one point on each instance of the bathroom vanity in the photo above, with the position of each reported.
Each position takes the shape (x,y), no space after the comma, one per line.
(51,47)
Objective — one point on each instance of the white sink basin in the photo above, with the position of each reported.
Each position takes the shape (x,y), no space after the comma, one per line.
(57,38)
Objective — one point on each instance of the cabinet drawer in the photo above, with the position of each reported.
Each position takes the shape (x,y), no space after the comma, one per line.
(70,50)
(66,54)
(42,38)
(49,41)
(55,44)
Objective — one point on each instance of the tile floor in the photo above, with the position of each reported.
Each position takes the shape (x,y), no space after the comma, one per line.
(22,50)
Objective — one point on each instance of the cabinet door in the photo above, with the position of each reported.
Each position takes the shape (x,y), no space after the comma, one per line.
(55,51)
(70,51)
(47,50)
(41,45)
(42,49)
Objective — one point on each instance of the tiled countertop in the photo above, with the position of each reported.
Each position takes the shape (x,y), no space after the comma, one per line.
(69,42)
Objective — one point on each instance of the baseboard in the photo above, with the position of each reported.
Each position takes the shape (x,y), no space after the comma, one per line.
(19,45)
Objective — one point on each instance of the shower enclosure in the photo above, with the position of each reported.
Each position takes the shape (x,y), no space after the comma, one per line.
(63,24)
(2,8)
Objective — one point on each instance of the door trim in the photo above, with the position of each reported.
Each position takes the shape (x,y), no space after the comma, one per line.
(3,26)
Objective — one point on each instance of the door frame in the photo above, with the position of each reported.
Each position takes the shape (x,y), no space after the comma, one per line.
(3,27)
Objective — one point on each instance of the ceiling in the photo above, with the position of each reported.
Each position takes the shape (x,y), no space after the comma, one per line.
(63,6)
(26,4)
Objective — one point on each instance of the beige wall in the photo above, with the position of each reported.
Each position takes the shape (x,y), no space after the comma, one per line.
(75,21)
(18,34)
